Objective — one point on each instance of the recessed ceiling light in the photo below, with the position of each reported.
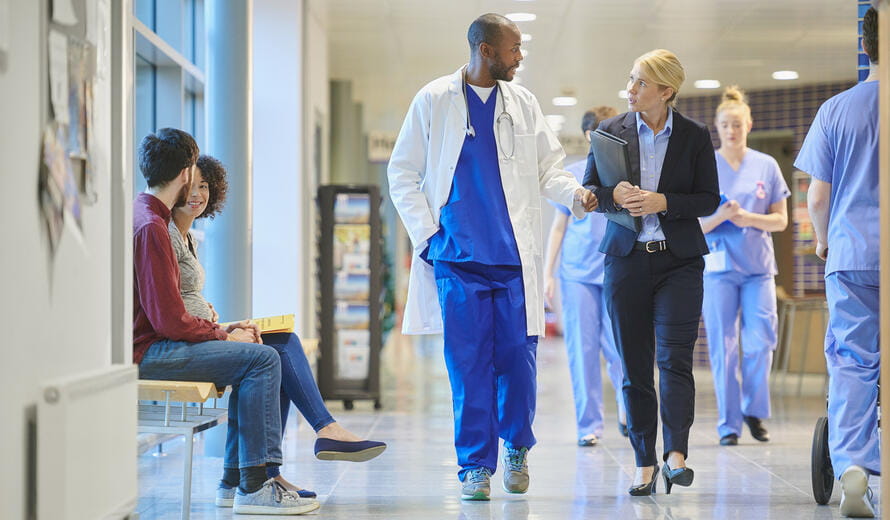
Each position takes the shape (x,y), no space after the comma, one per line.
(517,80)
(785,74)
(707,83)
(526,37)
(565,101)
(524,52)
(521,67)
(622,94)
(521,17)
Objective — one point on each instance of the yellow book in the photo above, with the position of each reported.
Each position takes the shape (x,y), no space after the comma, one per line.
(272,324)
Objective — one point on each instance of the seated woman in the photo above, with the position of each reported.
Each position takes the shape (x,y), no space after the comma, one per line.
(298,386)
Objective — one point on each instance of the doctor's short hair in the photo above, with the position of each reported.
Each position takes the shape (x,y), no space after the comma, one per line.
(214,174)
(664,68)
(870,34)
(486,28)
(164,154)
(596,115)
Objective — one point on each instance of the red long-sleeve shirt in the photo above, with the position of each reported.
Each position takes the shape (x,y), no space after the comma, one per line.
(158,311)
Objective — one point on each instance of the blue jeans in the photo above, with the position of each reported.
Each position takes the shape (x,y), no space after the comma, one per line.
(253,371)
(297,381)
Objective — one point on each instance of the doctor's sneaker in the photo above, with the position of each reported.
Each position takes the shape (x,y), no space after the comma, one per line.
(516,470)
(856,495)
(476,485)
(272,499)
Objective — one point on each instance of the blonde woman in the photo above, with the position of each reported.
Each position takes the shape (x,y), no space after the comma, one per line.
(740,273)
(653,278)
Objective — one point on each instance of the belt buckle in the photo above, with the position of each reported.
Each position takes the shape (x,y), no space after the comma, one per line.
(658,244)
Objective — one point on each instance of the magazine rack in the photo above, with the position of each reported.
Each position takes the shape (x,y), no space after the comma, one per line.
(350,291)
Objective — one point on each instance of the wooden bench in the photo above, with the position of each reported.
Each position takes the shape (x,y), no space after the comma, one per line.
(187,421)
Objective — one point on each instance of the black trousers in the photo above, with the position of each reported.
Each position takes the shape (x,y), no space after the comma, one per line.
(649,296)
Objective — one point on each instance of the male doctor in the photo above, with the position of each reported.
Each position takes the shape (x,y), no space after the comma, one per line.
(467,173)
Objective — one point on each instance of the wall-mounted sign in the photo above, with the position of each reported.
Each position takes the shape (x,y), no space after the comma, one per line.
(380,145)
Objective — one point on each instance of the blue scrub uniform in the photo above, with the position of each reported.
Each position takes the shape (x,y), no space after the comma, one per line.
(740,287)
(586,325)
(490,359)
(842,148)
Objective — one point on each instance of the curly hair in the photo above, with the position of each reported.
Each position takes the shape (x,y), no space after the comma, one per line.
(214,174)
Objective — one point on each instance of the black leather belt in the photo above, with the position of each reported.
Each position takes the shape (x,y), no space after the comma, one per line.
(653,246)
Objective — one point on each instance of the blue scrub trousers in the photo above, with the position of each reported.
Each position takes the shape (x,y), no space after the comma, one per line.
(731,299)
(853,357)
(588,331)
(490,360)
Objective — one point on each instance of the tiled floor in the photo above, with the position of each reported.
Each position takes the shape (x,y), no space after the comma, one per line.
(416,477)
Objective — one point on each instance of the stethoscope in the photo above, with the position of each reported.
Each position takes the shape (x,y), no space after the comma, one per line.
(503,116)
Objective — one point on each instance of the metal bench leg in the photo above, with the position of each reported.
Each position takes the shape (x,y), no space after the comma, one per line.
(187,476)
(789,333)
(806,348)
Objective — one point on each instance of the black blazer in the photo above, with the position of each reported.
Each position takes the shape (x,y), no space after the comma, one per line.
(688,182)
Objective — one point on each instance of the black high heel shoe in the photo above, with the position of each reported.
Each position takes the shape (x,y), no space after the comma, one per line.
(645,489)
(679,476)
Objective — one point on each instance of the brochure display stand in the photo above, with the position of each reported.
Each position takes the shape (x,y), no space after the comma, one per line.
(349,293)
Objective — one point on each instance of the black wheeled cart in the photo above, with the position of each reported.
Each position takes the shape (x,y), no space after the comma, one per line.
(350,293)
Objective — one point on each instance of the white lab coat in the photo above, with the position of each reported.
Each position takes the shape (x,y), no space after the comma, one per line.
(422,168)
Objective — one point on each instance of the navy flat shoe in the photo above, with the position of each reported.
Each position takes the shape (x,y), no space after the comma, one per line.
(358,451)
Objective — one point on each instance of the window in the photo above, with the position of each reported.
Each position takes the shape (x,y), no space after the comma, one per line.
(170,39)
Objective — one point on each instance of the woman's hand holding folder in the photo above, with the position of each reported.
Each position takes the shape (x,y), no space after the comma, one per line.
(638,202)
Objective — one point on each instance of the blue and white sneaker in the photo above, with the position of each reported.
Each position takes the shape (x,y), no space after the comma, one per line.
(476,485)
(272,499)
(516,470)
(856,496)
(225,497)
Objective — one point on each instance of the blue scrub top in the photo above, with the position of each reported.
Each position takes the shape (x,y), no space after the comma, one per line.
(474,225)
(841,147)
(757,185)
(580,258)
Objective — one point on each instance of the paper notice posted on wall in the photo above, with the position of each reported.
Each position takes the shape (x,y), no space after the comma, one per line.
(353,353)
(58,75)
(271,324)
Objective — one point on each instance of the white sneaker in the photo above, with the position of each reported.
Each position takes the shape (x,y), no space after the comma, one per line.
(856,495)
(588,440)
(273,499)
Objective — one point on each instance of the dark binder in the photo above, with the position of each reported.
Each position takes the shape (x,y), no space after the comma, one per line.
(613,166)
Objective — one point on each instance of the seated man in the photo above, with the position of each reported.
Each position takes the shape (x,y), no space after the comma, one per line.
(169,343)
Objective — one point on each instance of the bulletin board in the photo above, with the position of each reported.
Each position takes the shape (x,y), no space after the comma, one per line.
(76,42)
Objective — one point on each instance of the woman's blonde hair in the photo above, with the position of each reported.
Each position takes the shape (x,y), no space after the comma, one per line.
(734,99)
(664,68)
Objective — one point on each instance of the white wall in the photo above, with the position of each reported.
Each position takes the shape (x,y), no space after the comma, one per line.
(316,81)
(56,308)
(277,159)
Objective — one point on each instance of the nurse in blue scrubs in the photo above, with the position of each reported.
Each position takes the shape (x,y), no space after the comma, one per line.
(586,325)
(740,289)
(840,152)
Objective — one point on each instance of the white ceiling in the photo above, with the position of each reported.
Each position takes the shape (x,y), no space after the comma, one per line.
(390,48)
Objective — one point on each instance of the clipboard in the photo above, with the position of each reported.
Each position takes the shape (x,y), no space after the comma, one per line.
(613,166)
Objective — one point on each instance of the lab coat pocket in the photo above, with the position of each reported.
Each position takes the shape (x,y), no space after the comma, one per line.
(526,153)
